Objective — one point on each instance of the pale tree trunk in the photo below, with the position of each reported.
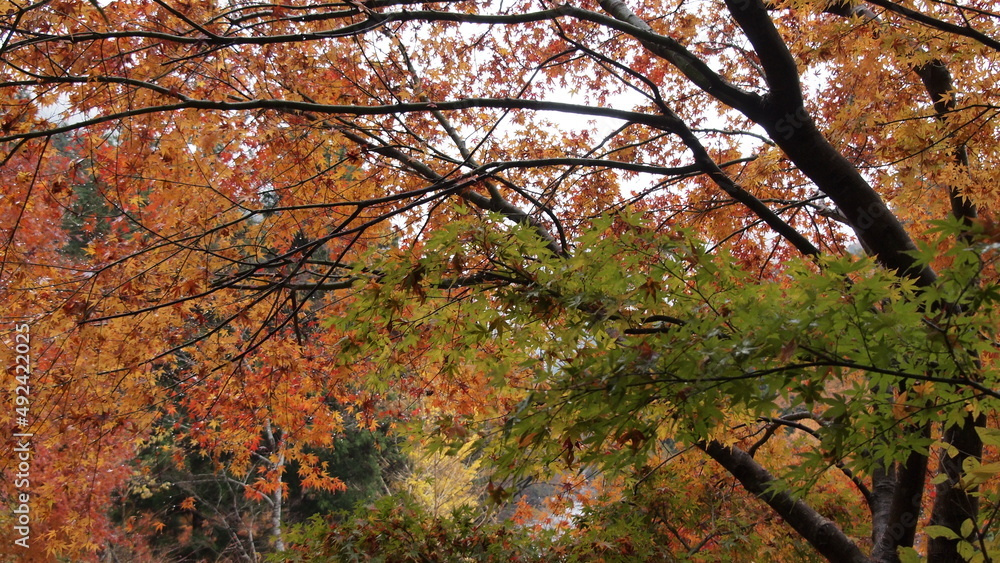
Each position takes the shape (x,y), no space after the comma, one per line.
(277,446)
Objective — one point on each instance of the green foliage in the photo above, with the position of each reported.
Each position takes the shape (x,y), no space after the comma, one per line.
(152,503)
(399,529)
(168,473)
(644,336)
(88,215)
(364,460)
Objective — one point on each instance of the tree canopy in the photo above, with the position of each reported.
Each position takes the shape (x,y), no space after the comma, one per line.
(738,257)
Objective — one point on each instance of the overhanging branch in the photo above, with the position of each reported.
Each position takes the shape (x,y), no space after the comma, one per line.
(821,533)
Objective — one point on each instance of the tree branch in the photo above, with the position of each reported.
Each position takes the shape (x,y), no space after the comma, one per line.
(822,534)
(795,132)
(652,120)
(964,31)
(696,70)
(780,69)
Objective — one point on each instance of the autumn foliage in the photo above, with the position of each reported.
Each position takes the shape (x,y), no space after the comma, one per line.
(727,267)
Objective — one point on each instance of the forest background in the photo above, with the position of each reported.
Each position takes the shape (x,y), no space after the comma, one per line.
(346,280)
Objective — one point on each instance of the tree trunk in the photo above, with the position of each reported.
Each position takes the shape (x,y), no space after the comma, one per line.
(277,446)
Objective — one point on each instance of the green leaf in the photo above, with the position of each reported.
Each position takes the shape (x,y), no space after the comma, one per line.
(941,532)
(989,436)
(965,549)
(977,474)
(967,528)
(908,555)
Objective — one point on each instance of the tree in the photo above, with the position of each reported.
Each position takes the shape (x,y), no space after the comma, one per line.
(374,204)
(187,508)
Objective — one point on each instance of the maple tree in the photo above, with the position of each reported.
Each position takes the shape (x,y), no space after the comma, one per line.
(617,235)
